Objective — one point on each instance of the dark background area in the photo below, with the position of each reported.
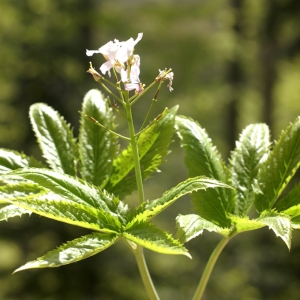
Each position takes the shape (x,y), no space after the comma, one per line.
(235,62)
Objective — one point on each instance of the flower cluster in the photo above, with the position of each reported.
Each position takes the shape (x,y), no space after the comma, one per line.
(120,56)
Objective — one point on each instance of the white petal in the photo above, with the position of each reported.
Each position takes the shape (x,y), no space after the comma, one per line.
(91,52)
(106,67)
(132,86)
(139,37)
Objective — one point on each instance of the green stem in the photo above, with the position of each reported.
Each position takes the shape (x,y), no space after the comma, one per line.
(134,99)
(151,106)
(146,278)
(135,152)
(138,252)
(209,267)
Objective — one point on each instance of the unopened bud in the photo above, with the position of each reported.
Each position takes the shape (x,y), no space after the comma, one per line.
(94,73)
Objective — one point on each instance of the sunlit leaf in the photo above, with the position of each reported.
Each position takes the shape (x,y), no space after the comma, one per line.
(97,146)
(202,159)
(150,209)
(279,223)
(190,226)
(69,212)
(153,147)
(241,224)
(73,251)
(55,138)
(19,189)
(292,199)
(251,149)
(12,160)
(279,168)
(148,236)
(10,211)
(71,188)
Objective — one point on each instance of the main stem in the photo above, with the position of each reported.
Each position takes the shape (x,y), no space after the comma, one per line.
(138,252)
(135,152)
(209,267)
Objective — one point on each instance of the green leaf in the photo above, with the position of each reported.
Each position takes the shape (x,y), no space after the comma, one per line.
(11,160)
(281,225)
(60,209)
(149,210)
(55,138)
(149,236)
(202,159)
(97,147)
(19,189)
(296,222)
(290,200)
(73,251)
(251,150)
(241,224)
(279,168)
(68,187)
(10,211)
(190,226)
(153,147)
(293,211)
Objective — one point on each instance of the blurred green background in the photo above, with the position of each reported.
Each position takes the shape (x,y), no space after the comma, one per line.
(235,62)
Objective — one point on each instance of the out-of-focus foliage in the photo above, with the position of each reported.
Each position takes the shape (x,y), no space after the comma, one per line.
(235,62)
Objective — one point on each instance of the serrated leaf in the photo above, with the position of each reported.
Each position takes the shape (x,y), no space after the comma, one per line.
(97,146)
(293,211)
(203,159)
(190,226)
(19,189)
(241,224)
(279,168)
(10,211)
(296,222)
(149,236)
(71,188)
(251,150)
(153,147)
(55,138)
(73,251)
(290,200)
(12,160)
(69,212)
(281,225)
(150,209)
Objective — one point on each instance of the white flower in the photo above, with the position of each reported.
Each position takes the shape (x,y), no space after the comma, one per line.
(116,53)
(166,75)
(170,76)
(133,81)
